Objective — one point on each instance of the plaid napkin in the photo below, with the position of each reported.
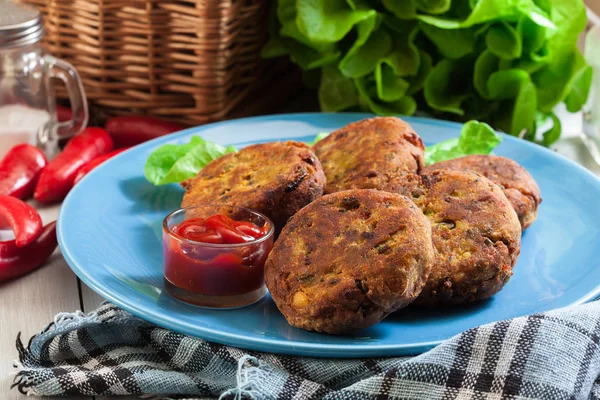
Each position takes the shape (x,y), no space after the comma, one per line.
(553,355)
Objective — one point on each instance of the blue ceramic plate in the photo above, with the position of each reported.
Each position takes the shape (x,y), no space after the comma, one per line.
(109,232)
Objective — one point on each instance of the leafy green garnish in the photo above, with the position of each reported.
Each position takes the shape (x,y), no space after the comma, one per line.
(319,136)
(336,92)
(475,138)
(173,163)
(552,134)
(499,61)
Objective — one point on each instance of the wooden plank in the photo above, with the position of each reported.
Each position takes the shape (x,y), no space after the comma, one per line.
(29,303)
(90,299)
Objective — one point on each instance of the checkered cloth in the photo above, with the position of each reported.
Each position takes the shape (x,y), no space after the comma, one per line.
(554,355)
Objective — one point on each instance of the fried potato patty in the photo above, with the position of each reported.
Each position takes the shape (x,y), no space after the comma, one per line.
(518,185)
(370,154)
(475,231)
(349,259)
(276,179)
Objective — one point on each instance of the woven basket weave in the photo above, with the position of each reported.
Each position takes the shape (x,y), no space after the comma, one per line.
(193,61)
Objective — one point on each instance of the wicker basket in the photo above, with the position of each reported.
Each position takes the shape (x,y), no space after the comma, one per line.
(193,61)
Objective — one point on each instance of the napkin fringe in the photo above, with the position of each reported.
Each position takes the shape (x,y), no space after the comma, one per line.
(30,355)
(23,379)
(251,373)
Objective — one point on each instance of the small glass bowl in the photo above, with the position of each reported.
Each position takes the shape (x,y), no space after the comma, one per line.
(215,275)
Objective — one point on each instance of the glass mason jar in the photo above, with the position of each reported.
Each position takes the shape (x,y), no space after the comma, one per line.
(27,98)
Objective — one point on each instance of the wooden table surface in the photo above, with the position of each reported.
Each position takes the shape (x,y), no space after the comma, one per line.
(31,302)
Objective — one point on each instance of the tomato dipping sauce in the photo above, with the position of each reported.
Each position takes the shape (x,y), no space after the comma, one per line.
(214,256)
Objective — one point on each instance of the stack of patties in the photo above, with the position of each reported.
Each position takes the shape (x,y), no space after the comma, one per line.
(340,266)
(387,232)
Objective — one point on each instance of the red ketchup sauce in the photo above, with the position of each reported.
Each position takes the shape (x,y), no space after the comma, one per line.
(226,257)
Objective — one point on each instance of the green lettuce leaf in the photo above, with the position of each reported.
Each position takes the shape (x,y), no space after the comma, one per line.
(418,81)
(363,59)
(532,35)
(404,9)
(173,163)
(554,82)
(506,84)
(498,61)
(519,114)
(318,137)
(553,134)
(390,87)
(453,44)
(580,89)
(493,10)
(285,38)
(503,40)
(404,58)
(485,66)
(368,100)
(336,92)
(444,88)
(328,21)
(475,138)
(433,6)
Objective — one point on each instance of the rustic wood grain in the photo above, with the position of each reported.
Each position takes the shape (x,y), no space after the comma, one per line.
(29,303)
(90,299)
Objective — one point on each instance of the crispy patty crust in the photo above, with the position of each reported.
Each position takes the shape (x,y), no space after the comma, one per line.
(370,154)
(475,231)
(517,184)
(349,259)
(276,179)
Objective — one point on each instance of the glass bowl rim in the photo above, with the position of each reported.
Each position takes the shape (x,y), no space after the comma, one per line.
(169,232)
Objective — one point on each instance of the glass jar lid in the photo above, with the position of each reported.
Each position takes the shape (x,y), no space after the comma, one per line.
(19,24)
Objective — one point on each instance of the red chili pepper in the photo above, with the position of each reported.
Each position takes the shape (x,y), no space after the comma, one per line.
(20,169)
(59,175)
(95,162)
(129,131)
(16,261)
(23,219)
(63,113)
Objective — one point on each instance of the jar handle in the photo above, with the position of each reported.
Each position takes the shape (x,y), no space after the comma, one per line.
(68,74)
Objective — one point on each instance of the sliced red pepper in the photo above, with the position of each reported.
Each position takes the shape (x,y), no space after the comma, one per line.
(129,131)
(23,219)
(59,175)
(95,162)
(16,261)
(20,169)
